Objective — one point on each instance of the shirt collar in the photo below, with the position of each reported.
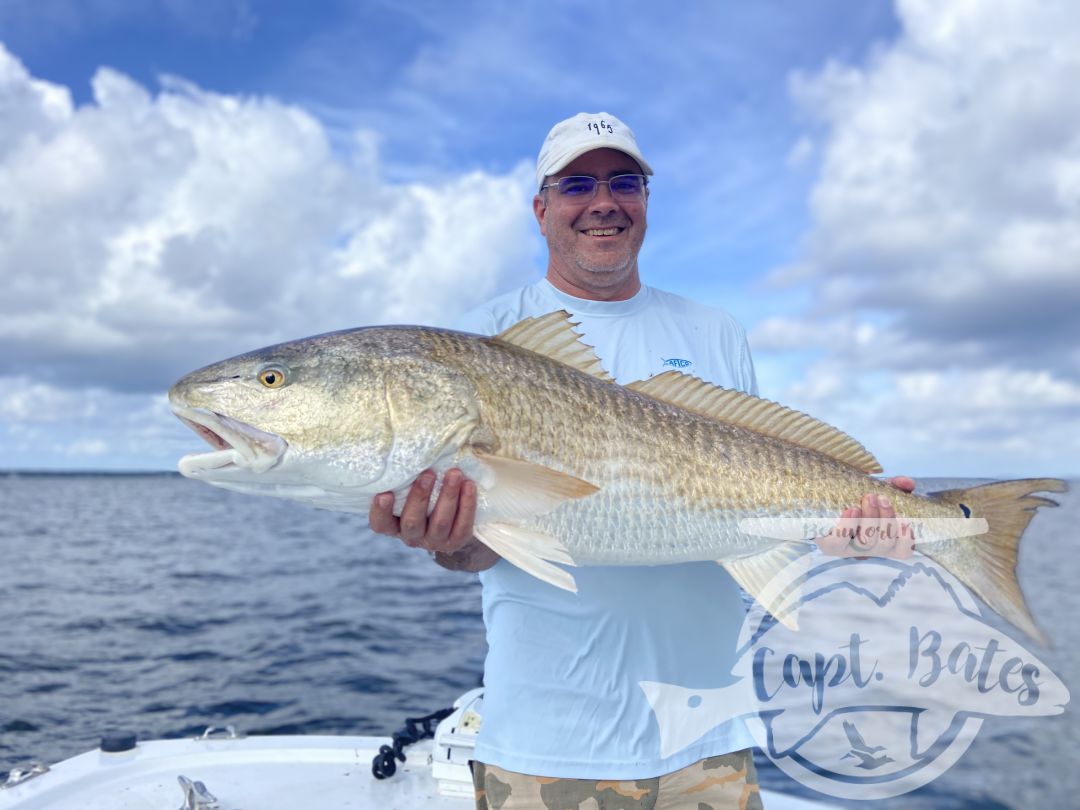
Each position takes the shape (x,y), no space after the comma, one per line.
(587,306)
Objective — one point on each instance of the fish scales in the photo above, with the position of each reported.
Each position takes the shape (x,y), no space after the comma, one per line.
(675,483)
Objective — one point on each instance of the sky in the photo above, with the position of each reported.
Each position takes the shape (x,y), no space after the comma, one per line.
(886,194)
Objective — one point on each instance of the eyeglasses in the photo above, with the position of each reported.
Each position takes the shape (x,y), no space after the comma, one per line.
(628,187)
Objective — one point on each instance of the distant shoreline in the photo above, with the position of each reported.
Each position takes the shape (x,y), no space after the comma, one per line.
(76,473)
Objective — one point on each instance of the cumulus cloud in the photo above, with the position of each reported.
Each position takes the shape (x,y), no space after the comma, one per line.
(44,426)
(944,251)
(147,233)
(950,185)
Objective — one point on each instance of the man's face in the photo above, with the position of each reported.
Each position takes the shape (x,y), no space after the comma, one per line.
(593,246)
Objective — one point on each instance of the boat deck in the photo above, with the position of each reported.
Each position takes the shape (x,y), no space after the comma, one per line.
(254,773)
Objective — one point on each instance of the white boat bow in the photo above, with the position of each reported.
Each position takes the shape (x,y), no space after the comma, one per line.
(320,772)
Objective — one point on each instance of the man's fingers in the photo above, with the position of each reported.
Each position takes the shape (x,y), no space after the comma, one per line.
(901,540)
(883,532)
(889,527)
(851,515)
(462,532)
(902,482)
(414,513)
(381,517)
(872,529)
(868,523)
(441,520)
(835,543)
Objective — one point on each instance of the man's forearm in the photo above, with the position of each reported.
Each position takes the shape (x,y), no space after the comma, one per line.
(473,556)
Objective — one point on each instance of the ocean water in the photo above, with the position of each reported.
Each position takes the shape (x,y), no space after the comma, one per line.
(162,606)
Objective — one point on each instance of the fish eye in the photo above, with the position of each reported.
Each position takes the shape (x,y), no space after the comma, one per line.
(272,377)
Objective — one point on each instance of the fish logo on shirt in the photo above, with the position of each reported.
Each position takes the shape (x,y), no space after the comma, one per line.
(676,362)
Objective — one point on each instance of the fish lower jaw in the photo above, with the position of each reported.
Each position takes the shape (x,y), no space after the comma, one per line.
(196,465)
(239,447)
(230,461)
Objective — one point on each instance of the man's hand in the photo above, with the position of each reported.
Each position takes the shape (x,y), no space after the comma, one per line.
(871,529)
(447,532)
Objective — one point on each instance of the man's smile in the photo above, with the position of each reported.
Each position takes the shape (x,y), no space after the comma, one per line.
(602,231)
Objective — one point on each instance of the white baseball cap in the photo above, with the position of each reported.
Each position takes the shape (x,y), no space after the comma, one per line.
(572,138)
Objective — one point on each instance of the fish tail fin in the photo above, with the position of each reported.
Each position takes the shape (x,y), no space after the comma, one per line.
(986,563)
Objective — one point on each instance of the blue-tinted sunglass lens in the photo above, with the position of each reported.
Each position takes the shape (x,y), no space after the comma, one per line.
(626,184)
(577,186)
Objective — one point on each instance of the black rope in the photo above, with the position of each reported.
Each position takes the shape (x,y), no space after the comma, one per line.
(383,765)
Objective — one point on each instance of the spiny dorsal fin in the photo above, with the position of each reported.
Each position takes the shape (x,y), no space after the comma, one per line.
(759,415)
(553,336)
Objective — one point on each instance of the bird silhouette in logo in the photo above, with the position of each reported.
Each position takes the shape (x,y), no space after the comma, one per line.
(864,752)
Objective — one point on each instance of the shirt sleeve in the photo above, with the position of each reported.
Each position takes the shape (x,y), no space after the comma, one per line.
(480,321)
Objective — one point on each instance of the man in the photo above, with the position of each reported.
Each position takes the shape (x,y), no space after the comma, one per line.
(564,718)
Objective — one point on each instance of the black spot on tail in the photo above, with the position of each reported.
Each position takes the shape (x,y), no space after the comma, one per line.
(967,512)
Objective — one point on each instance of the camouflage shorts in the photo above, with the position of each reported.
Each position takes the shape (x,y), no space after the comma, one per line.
(716,783)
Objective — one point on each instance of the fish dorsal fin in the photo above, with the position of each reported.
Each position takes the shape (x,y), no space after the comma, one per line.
(553,336)
(760,415)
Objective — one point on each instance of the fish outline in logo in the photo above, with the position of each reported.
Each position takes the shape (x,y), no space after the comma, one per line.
(676,362)
(928,727)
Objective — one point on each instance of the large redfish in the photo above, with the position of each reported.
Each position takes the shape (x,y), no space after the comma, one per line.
(570,467)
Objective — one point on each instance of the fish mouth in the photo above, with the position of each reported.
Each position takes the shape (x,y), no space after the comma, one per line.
(237,445)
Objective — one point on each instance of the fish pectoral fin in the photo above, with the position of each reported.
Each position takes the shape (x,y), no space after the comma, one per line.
(522,490)
(758,576)
(531,551)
